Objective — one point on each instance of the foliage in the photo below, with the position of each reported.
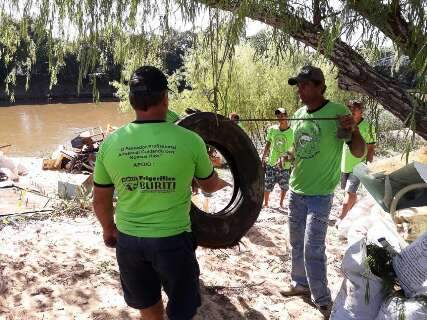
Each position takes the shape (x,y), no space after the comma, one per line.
(320,24)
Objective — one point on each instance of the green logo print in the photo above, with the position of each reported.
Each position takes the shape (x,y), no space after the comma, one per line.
(280,144)
(307,138)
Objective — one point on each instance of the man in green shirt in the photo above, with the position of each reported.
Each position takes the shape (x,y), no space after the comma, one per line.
(151,163)
(349,182)
(277,167)
(318,147)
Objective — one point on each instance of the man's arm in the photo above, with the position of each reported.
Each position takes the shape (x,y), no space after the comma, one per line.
(103,206)
(213,183)
(357,145)
(265,152)
(371,151)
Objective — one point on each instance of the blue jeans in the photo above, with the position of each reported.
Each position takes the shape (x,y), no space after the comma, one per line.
(308,223)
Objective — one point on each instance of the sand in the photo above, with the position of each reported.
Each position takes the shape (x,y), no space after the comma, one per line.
(59,268)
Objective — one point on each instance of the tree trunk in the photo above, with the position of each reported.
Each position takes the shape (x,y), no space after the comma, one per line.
(354,72)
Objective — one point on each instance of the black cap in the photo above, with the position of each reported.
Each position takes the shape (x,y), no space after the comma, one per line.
(308,73)
(147,80)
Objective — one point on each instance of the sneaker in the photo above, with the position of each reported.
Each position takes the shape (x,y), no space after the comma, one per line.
(295,291)
(325,310)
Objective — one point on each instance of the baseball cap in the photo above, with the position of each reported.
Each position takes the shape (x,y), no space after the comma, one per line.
(147,80)
(308,73)
(279,111)
(355,103)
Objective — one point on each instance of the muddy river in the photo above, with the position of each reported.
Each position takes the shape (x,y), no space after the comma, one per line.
(36,130)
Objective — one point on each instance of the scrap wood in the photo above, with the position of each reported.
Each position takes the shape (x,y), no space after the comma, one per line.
(26,212)
(244,286)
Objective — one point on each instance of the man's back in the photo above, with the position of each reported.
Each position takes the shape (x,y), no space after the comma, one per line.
(151,165)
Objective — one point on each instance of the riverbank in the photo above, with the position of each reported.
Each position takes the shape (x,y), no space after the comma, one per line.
(57,267)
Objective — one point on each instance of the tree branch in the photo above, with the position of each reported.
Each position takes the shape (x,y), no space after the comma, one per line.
(389,19)
(354,72)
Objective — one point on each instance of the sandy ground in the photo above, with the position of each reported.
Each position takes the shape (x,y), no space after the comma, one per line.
(59,268)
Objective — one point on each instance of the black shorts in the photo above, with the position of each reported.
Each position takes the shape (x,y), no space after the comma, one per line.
(147,264)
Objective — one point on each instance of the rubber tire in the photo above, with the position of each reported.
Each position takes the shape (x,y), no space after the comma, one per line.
(225,228)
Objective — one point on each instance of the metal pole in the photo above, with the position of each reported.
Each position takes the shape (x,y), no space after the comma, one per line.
(289,119)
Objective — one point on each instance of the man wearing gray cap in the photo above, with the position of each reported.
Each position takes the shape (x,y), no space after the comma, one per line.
(318,146)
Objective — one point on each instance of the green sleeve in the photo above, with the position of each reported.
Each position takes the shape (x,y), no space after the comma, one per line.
(203,166)
(101,177)
(343,110)
(171,116)
(269,134)
(291,137)
(371,136)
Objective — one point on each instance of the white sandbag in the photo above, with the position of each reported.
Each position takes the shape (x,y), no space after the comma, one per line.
(375,218)
(361,209)
(361,295)
(397,308)
(15,167)
(411,267)
(9,174)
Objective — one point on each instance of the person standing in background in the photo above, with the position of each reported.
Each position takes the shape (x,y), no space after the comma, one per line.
(276,157)
(349,182)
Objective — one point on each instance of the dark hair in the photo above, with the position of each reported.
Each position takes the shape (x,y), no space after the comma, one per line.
(318,83)
(144,102)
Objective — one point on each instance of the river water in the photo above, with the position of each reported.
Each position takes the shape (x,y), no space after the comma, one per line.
(37,130)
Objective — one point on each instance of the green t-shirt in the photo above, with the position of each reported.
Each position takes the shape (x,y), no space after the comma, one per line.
(172,116)
(317,150)
(280,142)
(348,161)
(151,165)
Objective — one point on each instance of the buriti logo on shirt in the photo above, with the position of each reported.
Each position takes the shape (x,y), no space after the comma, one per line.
(307,139)
(160,184)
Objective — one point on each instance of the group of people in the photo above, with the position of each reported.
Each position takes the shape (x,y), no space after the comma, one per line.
(278,157)
(151,163)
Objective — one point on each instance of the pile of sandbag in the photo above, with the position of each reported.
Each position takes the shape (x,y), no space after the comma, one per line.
(410,223)
(410,267)
(368,294)
(365,215)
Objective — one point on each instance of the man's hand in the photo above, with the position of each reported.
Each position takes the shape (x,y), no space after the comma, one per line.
(194,187)
(110,236)
(263,162)
(347,122)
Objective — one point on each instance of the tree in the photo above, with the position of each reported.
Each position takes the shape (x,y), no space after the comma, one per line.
(340,30)
(403,22)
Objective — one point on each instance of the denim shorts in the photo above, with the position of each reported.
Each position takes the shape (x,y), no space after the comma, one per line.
(148,264)
(349,182)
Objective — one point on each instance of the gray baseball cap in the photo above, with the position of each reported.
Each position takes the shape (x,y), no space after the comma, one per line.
(308,73)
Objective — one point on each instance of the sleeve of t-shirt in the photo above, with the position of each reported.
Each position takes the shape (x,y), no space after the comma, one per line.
(371,135)
(269,134)
(343,110)
(203,166)
(291,136)
(101,178)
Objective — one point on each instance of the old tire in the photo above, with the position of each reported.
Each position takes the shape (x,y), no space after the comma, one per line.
(224,229)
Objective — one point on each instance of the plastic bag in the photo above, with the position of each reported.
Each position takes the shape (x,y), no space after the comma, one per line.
(397,308)
(361,294)
(411,267)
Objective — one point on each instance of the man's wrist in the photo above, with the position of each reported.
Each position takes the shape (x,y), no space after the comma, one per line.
(109,226)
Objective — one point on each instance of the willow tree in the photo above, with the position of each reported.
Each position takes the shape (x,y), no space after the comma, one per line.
(339,30)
